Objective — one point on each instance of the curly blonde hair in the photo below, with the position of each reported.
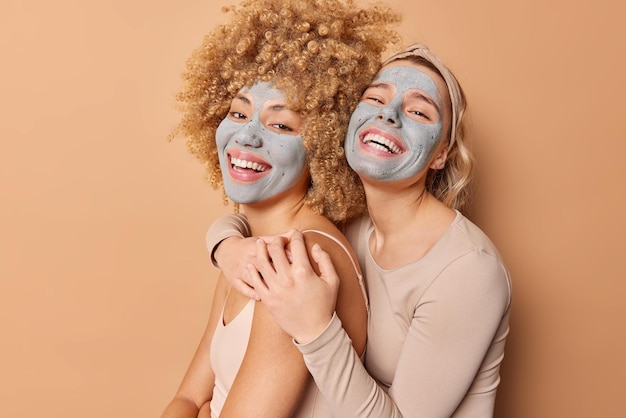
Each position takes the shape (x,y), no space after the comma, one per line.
(452,183)
(321,53)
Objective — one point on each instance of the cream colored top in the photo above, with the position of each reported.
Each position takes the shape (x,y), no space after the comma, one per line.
(228,348)
(436,332)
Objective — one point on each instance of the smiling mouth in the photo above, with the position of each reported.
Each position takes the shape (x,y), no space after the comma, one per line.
(381,143)
(241,164)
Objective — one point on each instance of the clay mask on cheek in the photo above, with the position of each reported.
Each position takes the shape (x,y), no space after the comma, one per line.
(417,140)
(258,163)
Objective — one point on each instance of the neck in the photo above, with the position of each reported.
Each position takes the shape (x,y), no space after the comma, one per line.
(272,218)
(281,212)
(407,220)
(394,206)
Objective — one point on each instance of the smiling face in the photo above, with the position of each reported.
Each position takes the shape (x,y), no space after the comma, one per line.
(395,131)
(260,150)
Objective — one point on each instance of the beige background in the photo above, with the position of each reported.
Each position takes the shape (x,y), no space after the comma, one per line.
(105,284)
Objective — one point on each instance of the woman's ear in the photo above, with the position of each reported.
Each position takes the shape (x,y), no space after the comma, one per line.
(440,160)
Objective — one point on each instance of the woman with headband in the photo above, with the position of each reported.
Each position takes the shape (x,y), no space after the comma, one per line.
(439,292)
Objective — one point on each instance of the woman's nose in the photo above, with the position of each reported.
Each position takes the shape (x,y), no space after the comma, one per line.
(389,115)
(249,135)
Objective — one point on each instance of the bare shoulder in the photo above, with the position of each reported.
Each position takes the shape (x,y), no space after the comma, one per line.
(325,234)
(351,303)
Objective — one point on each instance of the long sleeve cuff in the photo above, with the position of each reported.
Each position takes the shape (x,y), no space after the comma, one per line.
(341,376)
(331,332)
(235,225)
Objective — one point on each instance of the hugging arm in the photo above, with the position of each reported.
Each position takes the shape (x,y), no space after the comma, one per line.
(302,298)
(302,301)
(273,374)
(447,341)
(231,248)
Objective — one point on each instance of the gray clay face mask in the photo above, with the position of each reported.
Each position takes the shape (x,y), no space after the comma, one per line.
(260,156)
(396,128)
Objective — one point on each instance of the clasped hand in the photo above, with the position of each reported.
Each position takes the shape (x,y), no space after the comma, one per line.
(301,301)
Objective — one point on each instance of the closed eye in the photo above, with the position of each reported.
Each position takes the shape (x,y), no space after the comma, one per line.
(377,94)
(421,106)
(374,99)
(418,113)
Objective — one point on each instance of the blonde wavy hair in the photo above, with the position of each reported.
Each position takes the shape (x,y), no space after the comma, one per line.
(321,53)
(452,183)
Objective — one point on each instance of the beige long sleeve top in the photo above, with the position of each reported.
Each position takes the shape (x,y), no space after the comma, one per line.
(436,331)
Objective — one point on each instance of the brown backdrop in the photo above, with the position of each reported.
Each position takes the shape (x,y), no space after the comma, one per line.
(104,281)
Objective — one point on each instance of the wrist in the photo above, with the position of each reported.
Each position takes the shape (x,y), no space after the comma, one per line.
(220,247)
(313,333)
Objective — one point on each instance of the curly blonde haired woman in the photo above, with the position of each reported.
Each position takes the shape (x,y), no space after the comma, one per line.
(266,103)
(439,292)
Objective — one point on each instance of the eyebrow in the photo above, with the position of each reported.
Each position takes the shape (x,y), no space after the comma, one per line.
(414,94)
(243,99)
(422,96)
(277,107)
(385,86)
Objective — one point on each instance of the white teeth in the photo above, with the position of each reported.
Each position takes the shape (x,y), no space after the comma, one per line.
(381,143)
(236,162)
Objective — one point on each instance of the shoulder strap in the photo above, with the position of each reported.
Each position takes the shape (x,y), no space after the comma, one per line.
(354,264)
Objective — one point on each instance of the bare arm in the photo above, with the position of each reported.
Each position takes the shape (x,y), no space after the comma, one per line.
(196,388)
(272,376)
(302,298)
